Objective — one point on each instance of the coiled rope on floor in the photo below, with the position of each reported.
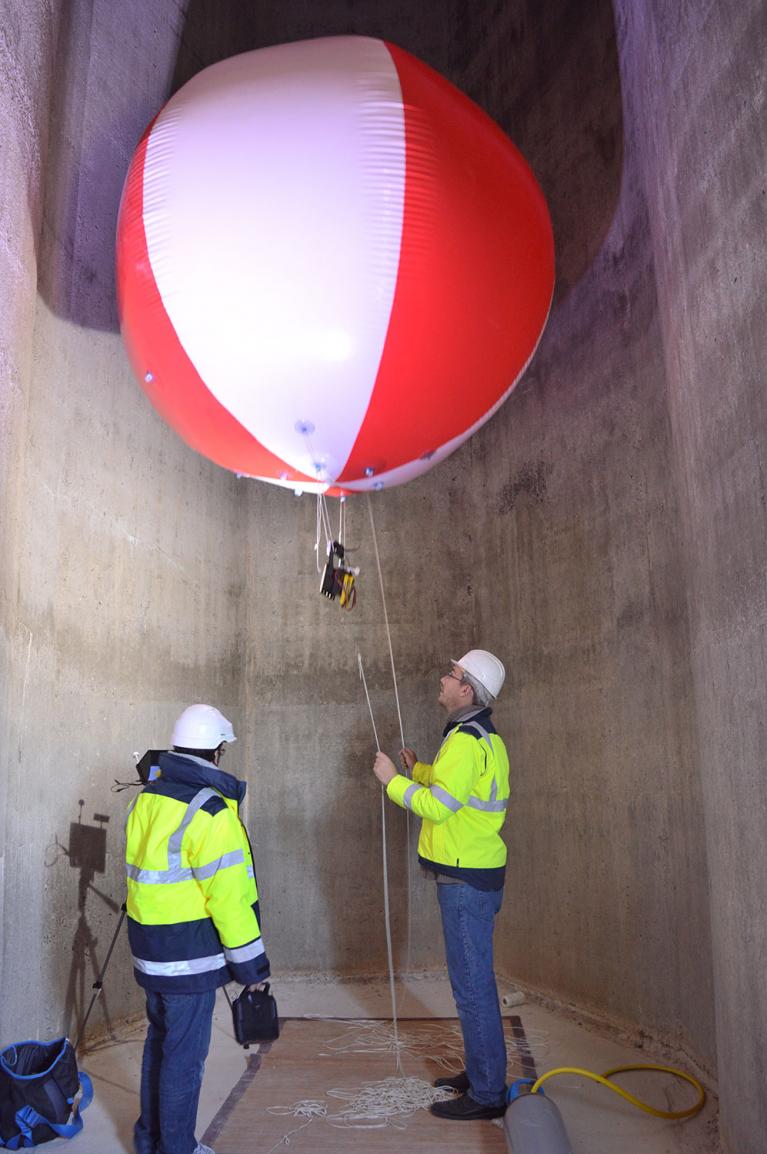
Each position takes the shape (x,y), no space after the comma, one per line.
(439,1041)
(388,1101)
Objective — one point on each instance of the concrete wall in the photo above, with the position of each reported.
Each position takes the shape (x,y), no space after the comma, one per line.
(552,537)
(26,49)
(607,837)
(121,564)
(604,534)
(695,85)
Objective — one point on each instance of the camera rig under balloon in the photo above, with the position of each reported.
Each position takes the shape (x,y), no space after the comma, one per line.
(338,577)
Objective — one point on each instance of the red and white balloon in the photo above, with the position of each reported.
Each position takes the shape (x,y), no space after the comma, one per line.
(332,266)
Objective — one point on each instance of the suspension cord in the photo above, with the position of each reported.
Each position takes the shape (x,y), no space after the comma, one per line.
(326,517)
(367,697)
(341,520)
(401,729)
(386,618)
(387,915)
(324,526)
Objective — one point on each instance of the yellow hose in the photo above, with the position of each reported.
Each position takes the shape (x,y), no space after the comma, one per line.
(603,1080)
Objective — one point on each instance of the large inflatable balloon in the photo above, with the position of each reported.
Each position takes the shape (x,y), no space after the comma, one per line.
(332,266)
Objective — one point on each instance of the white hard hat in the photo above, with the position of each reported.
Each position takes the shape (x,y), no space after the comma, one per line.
(201,727)
(485,668)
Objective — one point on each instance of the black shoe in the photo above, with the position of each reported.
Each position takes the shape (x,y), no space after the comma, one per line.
(457,1082)
(465,1109)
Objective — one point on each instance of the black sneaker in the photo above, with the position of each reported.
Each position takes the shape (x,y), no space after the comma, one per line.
(457,1082)
(465,1109)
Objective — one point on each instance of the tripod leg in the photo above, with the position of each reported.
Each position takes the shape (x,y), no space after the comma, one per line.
(98,984)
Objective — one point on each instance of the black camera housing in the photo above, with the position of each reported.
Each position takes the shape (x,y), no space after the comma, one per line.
(254,1015)
(148,766)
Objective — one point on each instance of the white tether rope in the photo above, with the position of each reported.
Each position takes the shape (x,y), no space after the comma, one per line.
(323,525)
(386,619)
(387,915)
(401,728)
(391,1100)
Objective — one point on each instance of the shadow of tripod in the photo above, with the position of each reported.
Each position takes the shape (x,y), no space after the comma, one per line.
(87,852)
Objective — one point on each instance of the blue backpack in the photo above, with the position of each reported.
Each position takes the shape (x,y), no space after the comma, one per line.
(39,1082)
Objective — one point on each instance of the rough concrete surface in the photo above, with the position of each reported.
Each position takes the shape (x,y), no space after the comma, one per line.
(605,534)
(699,81)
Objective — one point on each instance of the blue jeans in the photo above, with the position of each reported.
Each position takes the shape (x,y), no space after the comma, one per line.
(175,1050)
(468,916)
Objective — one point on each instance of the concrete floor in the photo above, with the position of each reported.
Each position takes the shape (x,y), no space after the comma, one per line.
(597,1122)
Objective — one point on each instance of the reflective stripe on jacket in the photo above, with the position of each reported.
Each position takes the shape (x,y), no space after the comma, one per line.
(462,799)
(193,919)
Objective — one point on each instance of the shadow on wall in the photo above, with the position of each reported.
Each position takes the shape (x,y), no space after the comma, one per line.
(114,71)
(83,181)
(212,32)
(547,73)
(85,852)
(113,65)
(217,29)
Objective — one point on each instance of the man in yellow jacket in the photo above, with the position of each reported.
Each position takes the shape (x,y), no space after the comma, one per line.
(193,920)
(462,800)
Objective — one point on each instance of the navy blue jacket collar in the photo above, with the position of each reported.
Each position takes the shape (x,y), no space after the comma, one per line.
(188,770)
(480,715)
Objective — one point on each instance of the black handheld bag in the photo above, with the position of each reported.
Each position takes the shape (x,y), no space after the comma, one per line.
(254,1014)
(39,1082)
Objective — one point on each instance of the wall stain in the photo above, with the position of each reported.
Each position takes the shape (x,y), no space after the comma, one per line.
(530,480)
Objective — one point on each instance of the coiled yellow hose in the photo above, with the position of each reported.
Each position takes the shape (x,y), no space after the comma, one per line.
(603,1079)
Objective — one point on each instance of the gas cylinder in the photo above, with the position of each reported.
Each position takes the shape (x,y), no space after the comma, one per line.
(533,1125)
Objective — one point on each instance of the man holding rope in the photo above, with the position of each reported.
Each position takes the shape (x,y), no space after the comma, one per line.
(462,799)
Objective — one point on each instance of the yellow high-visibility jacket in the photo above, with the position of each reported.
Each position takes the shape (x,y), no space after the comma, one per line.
(462,799)
(193,916)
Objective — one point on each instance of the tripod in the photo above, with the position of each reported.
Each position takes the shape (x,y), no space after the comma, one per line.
(99,983)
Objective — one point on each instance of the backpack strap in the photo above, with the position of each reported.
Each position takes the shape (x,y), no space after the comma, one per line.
(27,1118)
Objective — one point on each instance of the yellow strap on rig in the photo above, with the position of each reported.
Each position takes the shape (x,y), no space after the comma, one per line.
(348,596)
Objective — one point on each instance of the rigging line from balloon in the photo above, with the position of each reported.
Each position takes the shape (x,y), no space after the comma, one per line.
(326,517)
(408,961)
(387,914)
(323,523)
(367,696)
(321,526)
(341,520)
(317,535)
(386,616)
